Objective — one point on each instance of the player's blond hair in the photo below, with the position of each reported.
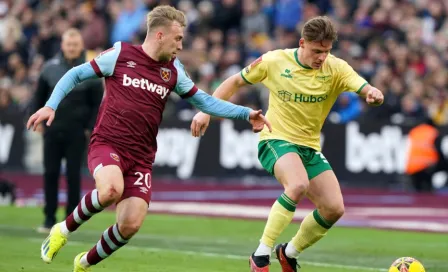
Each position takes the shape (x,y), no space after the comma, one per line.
(319,29)
(164,16)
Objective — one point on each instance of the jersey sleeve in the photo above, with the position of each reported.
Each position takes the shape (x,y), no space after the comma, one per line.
(185,87)
(349,79)
(257,71)
(70,79)
(104,63)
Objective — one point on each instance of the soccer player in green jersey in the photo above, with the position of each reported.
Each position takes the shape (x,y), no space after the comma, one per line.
(303,83)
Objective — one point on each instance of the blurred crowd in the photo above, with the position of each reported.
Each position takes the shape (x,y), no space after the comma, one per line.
(399,46)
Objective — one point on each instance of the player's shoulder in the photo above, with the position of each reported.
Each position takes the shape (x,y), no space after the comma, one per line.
(336,63)
(279,54)
(176,62)
(113,51)
(124,45)
(179,67)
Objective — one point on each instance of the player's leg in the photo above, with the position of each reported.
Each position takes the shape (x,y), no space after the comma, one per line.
(281,159)
(130,215)
(326,194)
(109,188)
(131,212)
(106,167)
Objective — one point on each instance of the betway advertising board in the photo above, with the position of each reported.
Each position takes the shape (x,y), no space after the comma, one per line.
(371,153)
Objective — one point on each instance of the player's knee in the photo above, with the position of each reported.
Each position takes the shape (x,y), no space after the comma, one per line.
(296,190)
(109,194)
(128,229)
(109,183)
(334,212)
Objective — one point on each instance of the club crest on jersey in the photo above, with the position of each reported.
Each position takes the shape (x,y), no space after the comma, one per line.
(115,157)
(165,74)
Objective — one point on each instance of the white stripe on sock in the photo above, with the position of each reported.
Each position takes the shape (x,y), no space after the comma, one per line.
(84,261)
(117,234)
(64,229)
(100,250)
(95,200)
(84,208)
(76,216)
(109,242)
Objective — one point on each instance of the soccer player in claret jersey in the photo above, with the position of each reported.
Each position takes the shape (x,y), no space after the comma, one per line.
(304,83)
(139,79)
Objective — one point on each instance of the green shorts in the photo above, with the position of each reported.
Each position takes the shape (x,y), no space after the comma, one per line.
(269,151)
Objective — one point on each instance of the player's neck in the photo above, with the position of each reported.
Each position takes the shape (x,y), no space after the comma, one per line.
(151,51)
(300,57)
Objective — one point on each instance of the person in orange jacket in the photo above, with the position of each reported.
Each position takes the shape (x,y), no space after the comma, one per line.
(425,156)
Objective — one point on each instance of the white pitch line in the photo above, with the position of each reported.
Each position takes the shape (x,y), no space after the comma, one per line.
(226,256)
(262,212)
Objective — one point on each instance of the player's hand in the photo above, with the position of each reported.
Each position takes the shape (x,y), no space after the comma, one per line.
(199,124)
(44,114)
(258,120)
(374,97)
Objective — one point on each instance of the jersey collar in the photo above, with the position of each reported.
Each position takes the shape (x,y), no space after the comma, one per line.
(297,60)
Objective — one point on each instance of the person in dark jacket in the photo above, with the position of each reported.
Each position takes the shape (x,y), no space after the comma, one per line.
(67,136)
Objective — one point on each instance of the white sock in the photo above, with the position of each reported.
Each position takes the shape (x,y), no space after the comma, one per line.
(64,228)
(83,261)
(291,251)
(263,250)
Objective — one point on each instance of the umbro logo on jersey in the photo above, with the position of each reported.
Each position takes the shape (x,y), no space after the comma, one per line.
(144,84)
(144,190)
(131,64)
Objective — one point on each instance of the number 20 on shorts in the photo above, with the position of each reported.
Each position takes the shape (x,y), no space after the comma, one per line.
(141,176)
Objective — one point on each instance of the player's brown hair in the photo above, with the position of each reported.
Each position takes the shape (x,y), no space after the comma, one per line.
(319,29)
(163,16)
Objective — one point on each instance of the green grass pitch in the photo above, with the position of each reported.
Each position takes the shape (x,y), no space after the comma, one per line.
(199,244)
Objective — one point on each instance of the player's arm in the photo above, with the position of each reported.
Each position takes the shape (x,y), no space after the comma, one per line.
(101,66)
(215,106)
(372,95)
(62,88)
(72,78)
(229,87)
(351,81)
(253,73)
